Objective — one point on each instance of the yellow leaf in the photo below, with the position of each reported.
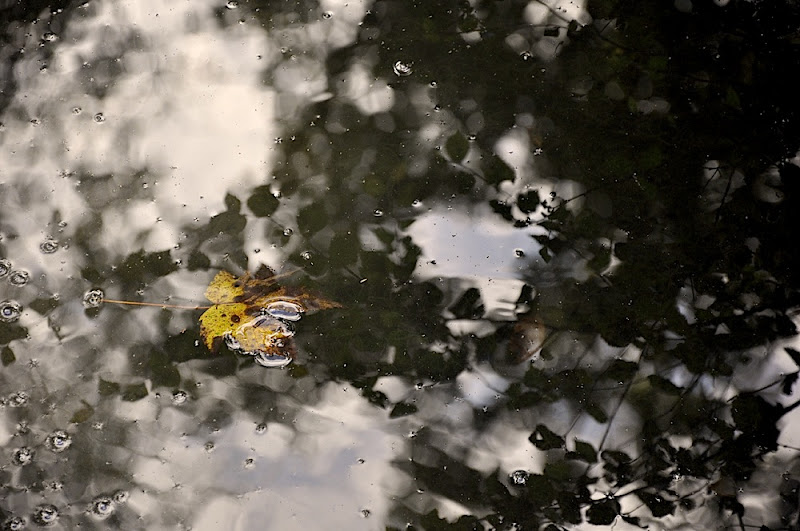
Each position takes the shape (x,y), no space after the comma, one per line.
(252,314)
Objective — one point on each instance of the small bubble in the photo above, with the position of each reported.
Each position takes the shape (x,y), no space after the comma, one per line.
(416,203)
(102,507)
(49,37)
(14,523)
(361,461)
(10,311)
(526,56)
(22,456)
(232,4)
(419,385)
(99,118)
(121,496)
(249,463)
(327,14)
(58,441)
(377,213)
(49,246)
(5,267)
(519,478)
(472,137)
(93,298)
(365,513)
(305,255)
(402,69)
(537,152)
(18,277)
(437,108)
(45,515)
(76,110)
(519,253)
(261,428)
(36,122)
(97,425)
(179,397)
(433,84)
(209,447)
(287,232)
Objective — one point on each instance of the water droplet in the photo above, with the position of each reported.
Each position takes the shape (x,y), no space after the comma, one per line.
(433,84)
(102,507)
(18,277)
(121,496)
(416,203)
(249,463)
(93,298)
(45,515)
(402,69)
(305,255)
(232,4)
(99,118)
(261,429)
(519,253)
(22,456)
(58,441)
(288,311)
(5,267)
(10,311)
(179,397)
(327,14)
(76,110)
(49,246)
(519,478)
(49,37)
(526,55)
(14,523)
(377,213)
(287,232)
(472,137)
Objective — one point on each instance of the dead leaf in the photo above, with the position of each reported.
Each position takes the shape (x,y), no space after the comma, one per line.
(252,314)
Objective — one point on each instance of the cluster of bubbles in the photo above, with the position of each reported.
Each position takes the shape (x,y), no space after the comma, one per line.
(16,277)
(93,298)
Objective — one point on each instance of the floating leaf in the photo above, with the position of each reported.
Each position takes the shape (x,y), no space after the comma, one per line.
(253,315)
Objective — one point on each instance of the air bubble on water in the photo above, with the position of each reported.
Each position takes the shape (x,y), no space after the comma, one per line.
(14,523)
(416,203)
(76,110)
(402,69)
(102,507)
(305,255)
(472,137)
(249,463)
(232,4)
(261,428)
(10,311)
(18,277)
(58,441)
(5,267)
(121,496)
(36,122)
(209,447)
(287,232)
(433,84)
(377,213)
(99,118)
(49,246)
(288,311)
(327,14)
(179,397)
(519,478)
(526,56)
(93,298)
(22,456)
(519,253)
(365,513)
(360,461)
(49,36)
(45,515)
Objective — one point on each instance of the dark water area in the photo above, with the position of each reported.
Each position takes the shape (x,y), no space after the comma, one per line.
(532,265)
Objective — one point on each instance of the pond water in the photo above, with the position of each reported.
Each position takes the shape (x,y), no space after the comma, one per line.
(550,244)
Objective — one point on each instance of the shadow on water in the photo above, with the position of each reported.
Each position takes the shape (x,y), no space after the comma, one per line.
(561,235)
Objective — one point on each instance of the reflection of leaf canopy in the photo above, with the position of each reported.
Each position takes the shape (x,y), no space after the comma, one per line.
(238,301)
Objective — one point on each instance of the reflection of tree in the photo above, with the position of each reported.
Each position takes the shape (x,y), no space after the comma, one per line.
(658,283)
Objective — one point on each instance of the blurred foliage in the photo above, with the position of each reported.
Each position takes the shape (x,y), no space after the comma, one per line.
(662,257)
